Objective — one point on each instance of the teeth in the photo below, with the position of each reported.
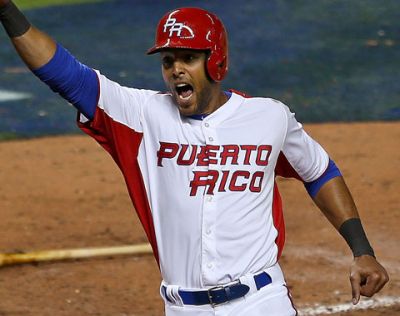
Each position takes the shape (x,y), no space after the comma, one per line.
(182,89)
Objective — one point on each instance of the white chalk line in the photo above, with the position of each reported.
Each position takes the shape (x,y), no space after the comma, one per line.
(6,95)
(384,301)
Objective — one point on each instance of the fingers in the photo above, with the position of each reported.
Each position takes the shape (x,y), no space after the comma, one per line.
(375,282)
(384,280)
(355,281)
(367,277)
(369,288)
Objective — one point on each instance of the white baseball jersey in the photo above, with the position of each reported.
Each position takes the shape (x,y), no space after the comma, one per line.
(205,190)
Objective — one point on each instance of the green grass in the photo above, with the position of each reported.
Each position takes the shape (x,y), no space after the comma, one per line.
(29,4)
(8,136)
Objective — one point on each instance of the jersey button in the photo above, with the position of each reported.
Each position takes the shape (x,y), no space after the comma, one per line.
(208,232)
(209,198)
(210,139)
(209,265)
(206,125)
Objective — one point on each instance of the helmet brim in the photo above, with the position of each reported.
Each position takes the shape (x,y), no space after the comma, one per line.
(157,49)
(153,50)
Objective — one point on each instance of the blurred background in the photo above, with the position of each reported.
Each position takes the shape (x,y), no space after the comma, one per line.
(329,60)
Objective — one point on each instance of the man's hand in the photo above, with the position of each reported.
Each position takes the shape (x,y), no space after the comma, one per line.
(367,277)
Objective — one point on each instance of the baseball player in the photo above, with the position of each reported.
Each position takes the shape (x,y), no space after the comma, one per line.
(200,166)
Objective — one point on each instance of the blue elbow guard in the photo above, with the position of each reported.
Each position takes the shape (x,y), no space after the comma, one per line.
(331,172)
(73,80)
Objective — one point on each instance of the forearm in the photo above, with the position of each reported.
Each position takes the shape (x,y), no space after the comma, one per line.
(337,204)
(335,201)
(35,47)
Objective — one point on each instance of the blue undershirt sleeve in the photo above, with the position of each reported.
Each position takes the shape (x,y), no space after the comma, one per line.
(74,81)
(331,172)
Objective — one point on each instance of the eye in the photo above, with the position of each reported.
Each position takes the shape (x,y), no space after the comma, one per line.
(167,61)
(188,58)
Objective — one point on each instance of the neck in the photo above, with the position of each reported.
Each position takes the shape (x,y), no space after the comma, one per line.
(218,98)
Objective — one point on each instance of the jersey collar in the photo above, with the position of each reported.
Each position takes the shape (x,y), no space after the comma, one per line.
(201,117)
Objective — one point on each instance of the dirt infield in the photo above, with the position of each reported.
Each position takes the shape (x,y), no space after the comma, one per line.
(65,192)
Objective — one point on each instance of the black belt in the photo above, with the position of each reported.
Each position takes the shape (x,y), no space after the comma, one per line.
(220,294)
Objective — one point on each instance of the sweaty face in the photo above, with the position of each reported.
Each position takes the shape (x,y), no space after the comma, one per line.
(185,75)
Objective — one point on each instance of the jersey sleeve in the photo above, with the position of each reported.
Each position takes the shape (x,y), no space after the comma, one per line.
(118,121)
(121,104)
(301,156)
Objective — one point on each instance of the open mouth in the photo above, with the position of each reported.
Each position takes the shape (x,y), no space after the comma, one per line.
(184,90)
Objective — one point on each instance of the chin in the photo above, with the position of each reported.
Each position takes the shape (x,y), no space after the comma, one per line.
(186,110)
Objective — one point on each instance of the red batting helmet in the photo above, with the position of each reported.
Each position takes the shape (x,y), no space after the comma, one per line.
(195,28)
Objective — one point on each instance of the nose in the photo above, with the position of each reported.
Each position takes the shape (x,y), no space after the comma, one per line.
(178,69)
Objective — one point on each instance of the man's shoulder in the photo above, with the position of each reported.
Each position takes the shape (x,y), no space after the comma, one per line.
(262,103)
(159,97)
(256,99)
(111,86)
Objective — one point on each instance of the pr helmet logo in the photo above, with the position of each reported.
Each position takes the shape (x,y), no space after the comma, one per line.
(177,27)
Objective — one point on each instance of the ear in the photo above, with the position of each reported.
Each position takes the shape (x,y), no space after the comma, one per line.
(222,64)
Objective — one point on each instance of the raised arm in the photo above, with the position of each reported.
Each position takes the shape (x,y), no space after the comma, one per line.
(367,276)
(35,47)
(50,62)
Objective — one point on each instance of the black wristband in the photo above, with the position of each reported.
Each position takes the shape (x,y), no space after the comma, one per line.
(353,232)
(14,22)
